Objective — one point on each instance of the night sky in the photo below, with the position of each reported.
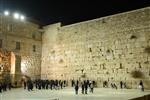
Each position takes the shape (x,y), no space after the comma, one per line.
(70,11)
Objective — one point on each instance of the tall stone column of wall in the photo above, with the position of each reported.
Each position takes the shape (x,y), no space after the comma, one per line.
(49,38)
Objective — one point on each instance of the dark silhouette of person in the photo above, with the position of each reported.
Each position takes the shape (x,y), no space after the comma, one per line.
(29,85)
(141,85)
(0,88)
(47,83)
(72,83)
(76,88)
(115,86)
(9,85)
(121,84)
(105,84)
(15,83)
(4,86)
(61,85)
(82,86)
(77,82)
(92,87)
(86,87)
(25,84)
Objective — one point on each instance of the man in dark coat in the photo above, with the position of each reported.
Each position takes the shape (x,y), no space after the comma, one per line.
(76,88)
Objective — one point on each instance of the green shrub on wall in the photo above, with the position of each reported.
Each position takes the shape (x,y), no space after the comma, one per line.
(136,74)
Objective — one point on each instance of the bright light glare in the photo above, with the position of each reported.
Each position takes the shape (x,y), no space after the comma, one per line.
(22,17)
(6,13)
(16,15)
(23,67)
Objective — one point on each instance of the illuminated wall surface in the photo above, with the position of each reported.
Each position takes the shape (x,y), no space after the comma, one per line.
(5,63)
(111,48)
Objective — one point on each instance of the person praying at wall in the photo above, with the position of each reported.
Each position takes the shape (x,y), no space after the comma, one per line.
(91,88)
(141,86)
(121,84)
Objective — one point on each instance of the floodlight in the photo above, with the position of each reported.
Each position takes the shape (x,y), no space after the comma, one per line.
(6,13)
(16,15)
(22,17)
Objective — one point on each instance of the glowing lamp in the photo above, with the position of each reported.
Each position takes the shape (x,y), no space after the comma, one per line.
(6,13)
(16,16)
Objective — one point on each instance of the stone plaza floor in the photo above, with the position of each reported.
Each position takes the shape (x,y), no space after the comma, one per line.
(69,94)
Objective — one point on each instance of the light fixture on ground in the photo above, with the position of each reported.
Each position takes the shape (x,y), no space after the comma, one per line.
(6,13)
(16,15)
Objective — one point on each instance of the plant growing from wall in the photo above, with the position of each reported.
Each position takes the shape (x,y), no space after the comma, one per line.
(133,37)
(108,51)
(90,49)
(136,74)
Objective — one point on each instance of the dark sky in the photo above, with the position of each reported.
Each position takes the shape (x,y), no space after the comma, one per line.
(70,11)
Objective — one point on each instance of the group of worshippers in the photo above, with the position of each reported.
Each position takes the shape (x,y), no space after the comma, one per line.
(113,85)
(59,84)
(45,84)
(5,86)
(85,85)
(122,85)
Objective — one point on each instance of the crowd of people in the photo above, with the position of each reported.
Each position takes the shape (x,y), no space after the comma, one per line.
(5,86)
(113,85)
(85,85)
(44,84)
(121,85)
(60,84)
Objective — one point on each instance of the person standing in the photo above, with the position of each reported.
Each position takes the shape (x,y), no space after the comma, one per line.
(82,86)
(76,88)
(86,87)
(121,84)
(0,88)
(15,84)
(92,87)
(25,84)
(29,84)
(9,85)
(141,86)
(72,83)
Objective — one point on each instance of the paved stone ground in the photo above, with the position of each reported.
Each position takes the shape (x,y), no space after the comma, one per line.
(68,94)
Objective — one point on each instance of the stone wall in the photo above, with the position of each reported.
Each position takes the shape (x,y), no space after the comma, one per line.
(49,40)
(111,48)
(28,35)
